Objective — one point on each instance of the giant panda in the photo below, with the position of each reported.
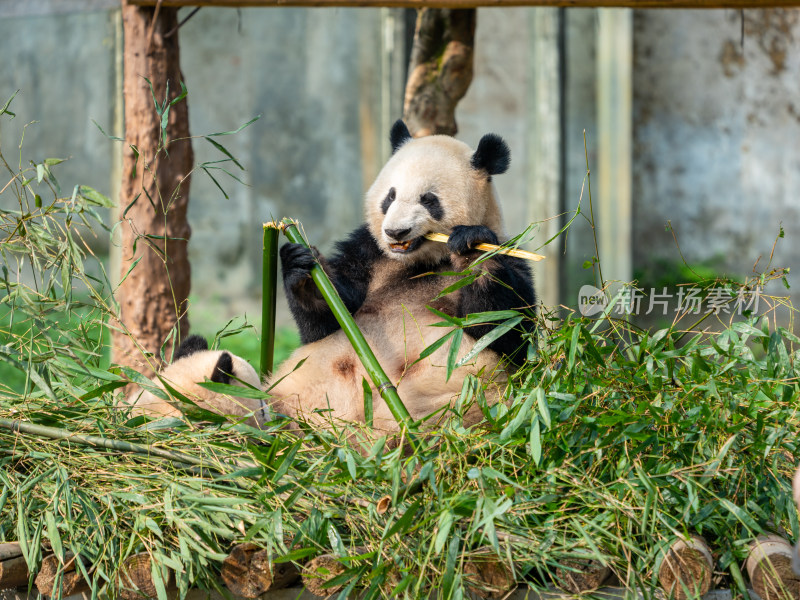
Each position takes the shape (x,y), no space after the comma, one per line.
(193,363)
(387,274)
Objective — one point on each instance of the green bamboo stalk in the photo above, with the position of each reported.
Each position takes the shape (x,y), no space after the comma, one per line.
(269,286)
(376,373)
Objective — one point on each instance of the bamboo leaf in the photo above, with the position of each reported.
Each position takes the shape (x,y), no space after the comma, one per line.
(452,354)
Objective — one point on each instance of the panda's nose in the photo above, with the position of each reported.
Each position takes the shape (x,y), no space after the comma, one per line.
(397,234)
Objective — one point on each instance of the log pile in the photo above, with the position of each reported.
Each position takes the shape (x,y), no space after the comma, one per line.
(579,576)
(684,570)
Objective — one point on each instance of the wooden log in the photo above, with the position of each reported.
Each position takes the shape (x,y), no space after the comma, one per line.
(486,576)
(135,578)
(72,581)
(247,572)
(319,571)
(578,576)
(684,569)
(698,4)
(769,566)
(13,568)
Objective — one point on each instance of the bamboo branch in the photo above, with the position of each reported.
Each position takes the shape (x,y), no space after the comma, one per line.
(96,441)
(376,373)
(685,568)
(769,565)
(55,579)
(440,237)
(269,286)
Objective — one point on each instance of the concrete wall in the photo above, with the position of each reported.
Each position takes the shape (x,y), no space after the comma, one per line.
(716,124)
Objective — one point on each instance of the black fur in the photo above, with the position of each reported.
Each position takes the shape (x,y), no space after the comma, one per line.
(399,135)
(492,155)
(223,370)
(431,202)
(507,285)
(464,238)
(192,344)
(387,202)
(349,269)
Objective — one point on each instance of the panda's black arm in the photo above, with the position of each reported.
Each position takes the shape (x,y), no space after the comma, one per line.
(349,269)
(507,284)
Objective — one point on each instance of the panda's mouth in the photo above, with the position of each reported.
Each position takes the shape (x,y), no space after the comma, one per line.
(407,246)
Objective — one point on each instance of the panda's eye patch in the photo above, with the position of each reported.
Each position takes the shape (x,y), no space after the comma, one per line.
(387,202)
(431,202)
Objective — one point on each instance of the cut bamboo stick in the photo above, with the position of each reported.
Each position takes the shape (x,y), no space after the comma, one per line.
(486,576)
(13,568)
(769,566)
(72,581)
(578,576)
(269,287)
(247,572)
(135,579)
(685,568)
(440,237)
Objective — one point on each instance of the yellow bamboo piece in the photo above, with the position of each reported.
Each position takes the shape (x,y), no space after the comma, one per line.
(440,237)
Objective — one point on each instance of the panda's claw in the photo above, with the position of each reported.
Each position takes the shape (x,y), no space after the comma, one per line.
(296,261)
(464,238)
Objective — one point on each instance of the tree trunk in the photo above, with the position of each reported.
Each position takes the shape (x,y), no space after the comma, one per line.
(154,191)
(440,70)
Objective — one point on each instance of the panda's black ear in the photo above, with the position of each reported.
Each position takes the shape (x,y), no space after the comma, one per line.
(192,344)
(223,369)
(492,155)
(399,135)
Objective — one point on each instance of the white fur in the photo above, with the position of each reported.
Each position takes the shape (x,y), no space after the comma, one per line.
(184,375)
(438,164)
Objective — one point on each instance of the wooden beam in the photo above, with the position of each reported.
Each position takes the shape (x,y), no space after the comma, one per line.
(477,3)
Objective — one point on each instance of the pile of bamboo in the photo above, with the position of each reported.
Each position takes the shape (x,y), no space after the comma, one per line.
(684,570)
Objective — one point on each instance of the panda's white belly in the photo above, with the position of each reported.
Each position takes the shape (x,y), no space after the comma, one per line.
(398,327)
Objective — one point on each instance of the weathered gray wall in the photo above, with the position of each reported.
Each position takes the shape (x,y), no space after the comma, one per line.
(64,67)
(314,76)
(715,137)
(715,126)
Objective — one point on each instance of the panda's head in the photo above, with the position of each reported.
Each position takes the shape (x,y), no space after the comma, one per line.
(193,363)
(430,185)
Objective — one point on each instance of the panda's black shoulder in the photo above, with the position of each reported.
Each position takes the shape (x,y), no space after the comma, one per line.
(358,247)
(355,256)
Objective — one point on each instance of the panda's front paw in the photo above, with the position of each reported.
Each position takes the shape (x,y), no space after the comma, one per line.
(464,238)
(296,261)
